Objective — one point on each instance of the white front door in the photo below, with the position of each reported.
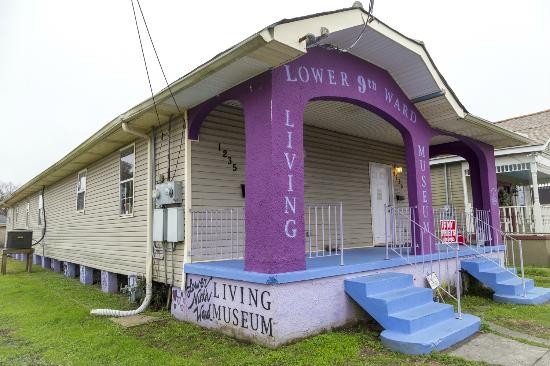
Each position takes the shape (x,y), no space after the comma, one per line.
(381,196)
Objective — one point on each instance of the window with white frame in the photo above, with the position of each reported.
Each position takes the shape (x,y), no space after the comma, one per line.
(27,214)
(81,191)
(15,214)
(40,209)
(127,169)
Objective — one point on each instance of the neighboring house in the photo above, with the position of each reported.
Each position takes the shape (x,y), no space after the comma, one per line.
(3,220)
(523,175)
(296,150)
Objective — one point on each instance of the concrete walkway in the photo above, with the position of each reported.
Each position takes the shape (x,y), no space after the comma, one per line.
(498,350)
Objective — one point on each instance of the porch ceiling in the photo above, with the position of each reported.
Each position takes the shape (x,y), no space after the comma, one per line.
(523,177)
(356,121)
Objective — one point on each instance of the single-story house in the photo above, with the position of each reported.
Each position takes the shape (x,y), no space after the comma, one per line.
(285,189)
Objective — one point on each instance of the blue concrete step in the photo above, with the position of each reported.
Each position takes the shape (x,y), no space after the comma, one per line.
(413,322)
(508,288)
(419,317)
(404,298)
(438,337)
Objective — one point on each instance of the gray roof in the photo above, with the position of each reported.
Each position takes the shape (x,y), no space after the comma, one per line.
(535,125)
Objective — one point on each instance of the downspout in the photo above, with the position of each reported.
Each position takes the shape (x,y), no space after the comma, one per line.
(149,251)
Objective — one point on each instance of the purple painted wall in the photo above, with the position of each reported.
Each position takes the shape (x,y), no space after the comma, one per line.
(481,161)
(273,105)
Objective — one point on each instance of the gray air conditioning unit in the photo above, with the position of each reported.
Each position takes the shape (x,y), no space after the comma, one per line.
(19,239)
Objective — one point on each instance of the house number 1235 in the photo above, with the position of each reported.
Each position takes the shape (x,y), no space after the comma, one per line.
(228,157)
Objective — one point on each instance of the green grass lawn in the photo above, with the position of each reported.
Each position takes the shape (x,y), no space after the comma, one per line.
(44,320)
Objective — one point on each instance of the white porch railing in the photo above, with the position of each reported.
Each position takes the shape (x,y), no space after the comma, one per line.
(219,233)
(521,219)
(517,219)
(325,230)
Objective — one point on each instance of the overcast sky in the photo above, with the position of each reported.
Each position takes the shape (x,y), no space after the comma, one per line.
(68,67)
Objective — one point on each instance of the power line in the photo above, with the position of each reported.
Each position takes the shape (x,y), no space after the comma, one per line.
(169,90)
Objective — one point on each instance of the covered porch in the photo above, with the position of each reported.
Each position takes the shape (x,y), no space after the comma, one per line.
(321,153)
(524,193)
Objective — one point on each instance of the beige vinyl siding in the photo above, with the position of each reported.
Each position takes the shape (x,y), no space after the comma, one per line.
(97,237)
(455,189)
(174,260)
(337,170)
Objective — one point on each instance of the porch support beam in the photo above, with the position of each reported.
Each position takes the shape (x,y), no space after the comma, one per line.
(420,190)
(274,212)
(483,178)
(537,211)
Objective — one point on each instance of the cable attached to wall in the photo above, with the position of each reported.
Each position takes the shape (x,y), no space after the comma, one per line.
(44,214)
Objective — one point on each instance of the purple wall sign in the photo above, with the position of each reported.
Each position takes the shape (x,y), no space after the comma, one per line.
(273,105)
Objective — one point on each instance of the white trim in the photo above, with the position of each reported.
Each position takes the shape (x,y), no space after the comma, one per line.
(28,214)
(188,201)
(463,168)
(133,145)
(391,192)
(85,190)
(499,152)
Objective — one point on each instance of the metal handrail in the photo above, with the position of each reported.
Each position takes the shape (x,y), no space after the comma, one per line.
(512,240)
(414,224)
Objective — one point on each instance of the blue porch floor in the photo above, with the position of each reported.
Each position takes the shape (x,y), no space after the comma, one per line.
(355,260)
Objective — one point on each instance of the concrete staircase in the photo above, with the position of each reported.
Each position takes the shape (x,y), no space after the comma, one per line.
(413,322)
(507,286)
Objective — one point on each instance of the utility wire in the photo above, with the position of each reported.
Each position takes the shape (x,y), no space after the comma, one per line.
(146,67)
(169,90)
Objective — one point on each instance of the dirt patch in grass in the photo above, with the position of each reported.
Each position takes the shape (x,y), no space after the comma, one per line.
(526,326)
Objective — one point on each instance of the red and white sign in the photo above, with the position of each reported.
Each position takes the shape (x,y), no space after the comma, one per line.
(448,231)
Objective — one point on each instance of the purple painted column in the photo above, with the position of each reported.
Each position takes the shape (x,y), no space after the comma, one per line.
(86,275)
(419,187)
(488,182)
(109,282)
(69,269)
(46,263)
(274,215)
(56,265)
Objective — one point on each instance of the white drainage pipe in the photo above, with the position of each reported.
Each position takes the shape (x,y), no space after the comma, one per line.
(149,253)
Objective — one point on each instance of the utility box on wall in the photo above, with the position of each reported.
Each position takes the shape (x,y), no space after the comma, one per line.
(159,224)
(174,224)
(168,193)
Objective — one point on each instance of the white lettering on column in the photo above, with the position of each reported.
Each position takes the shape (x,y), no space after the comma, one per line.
(292,232)
(287,122)
(290,156)
(290,189)
(344,77)
(289,162)
(303,74)
(422,162)
(331,79)
(421,151)
(289,145)
(288,76)
(317,75)
(291,204)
